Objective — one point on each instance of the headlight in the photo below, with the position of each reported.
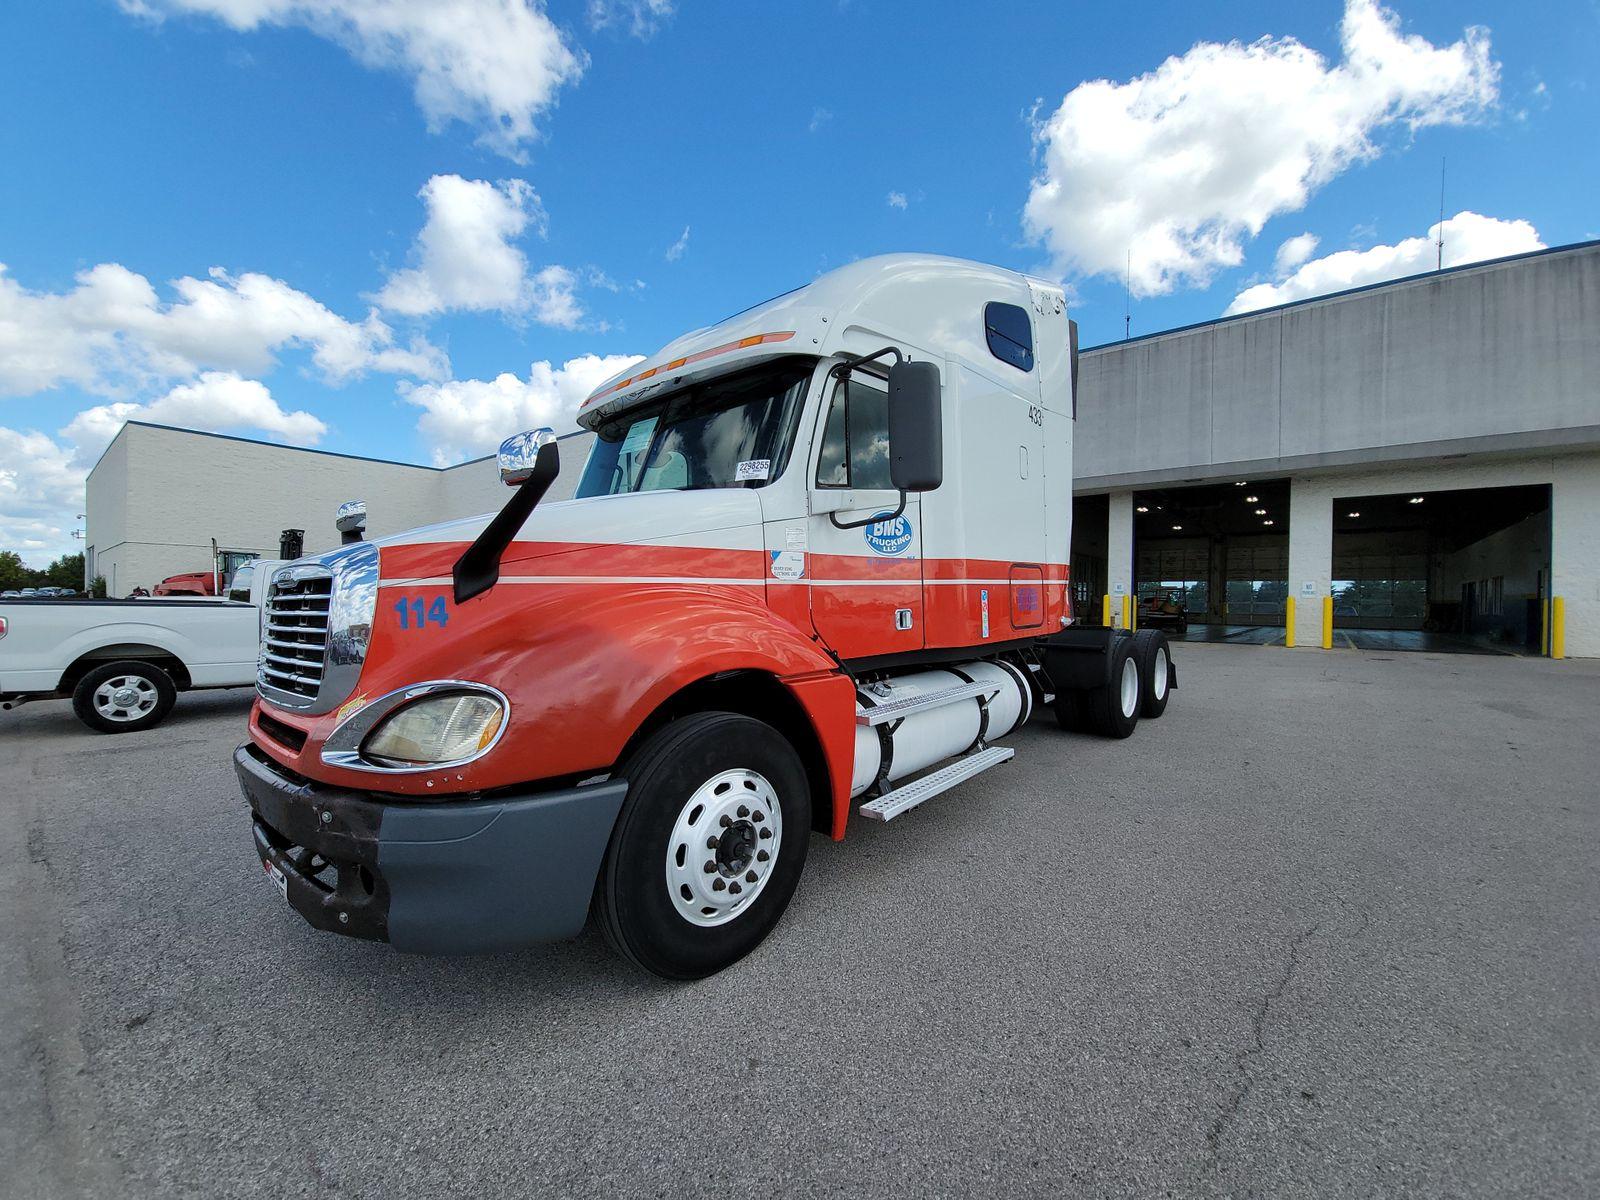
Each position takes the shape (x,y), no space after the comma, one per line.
(438,729)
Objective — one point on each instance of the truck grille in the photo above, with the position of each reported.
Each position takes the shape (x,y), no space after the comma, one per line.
(294,637)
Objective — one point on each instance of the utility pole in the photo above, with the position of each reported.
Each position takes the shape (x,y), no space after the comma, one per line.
(1127,303)
(1439,262)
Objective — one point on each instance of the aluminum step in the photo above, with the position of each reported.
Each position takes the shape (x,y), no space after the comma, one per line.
(896,709)
(891,804)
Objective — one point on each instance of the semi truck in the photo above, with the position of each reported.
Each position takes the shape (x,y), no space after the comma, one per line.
(815,571)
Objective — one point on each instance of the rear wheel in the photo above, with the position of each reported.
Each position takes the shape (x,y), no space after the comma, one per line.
(1151,651)
(1112,709)
(124,697)
(709,845)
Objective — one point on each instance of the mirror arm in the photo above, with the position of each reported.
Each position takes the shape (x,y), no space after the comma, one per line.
(861,360)
(478,568)
(838,524)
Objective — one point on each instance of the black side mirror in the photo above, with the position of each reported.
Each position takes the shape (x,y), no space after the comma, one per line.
(916,430)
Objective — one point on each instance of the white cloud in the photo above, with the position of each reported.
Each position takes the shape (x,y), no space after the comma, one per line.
(897,200)
(1181,165)
(111,332)
(819,117)
(218,401)
(465,259)
(1468,238)
(465,418)
(497,64)
(642,18)
(1295,251)
(679,247)
(40,491)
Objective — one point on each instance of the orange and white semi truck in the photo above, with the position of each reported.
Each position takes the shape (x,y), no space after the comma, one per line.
(815,571)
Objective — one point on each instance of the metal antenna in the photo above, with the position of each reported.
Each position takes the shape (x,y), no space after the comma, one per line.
(1127,304)
(1439,264)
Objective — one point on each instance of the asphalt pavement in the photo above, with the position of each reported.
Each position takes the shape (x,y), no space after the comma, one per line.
(1331,927)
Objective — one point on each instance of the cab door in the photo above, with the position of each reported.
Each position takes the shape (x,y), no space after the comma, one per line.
(864,552)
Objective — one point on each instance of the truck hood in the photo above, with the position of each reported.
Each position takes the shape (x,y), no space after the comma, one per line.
(693,518)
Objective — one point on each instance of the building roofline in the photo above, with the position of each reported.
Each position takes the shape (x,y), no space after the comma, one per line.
(1355,291)
(249,441)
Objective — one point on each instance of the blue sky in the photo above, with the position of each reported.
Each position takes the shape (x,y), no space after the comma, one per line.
(607,174)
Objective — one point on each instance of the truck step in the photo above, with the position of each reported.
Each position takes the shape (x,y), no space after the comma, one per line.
(896,709)
(891,804)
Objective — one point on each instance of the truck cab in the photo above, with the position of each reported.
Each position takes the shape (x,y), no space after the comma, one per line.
(816,551)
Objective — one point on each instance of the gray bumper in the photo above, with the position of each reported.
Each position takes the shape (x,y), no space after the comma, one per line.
(435,878)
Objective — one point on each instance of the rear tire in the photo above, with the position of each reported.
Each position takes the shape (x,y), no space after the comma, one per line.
(1154,656)
(708,795)
(124,697)
(1112,709)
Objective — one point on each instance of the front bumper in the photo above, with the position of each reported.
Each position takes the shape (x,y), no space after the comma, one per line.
(433,878)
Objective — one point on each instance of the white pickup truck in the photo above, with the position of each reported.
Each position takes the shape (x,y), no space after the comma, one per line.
(123,662)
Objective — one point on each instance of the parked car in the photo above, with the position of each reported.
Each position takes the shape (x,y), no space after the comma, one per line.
(1163,610)
(123,662)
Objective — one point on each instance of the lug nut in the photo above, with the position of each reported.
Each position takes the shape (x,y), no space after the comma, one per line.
(725,820)
(711,843)
(762,856)
(710,867)
(759,817)
(743,811)
(735,888)
(749,876)
(766,833)
(717,885)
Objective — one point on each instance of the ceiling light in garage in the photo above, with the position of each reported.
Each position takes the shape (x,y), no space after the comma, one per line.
(1242,483)
(1251,499)
(1177,526)
(1352,514)
(1268,521)
(1261,512)
(1416,499)
(1144,508)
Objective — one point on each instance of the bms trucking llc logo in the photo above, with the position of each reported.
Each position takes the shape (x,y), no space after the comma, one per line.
(889,534)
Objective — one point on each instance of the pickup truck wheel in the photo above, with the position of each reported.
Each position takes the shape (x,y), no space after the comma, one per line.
(1155,671)
(708,847)
(124,697)
(1112,709)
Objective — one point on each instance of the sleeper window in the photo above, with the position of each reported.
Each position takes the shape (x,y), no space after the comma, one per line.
(1010,334)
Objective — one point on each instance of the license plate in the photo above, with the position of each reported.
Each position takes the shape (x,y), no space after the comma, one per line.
(279,880)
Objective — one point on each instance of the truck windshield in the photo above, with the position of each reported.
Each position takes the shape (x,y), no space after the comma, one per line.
(734,431)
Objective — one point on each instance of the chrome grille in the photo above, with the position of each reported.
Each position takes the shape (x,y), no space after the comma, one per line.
(294,636)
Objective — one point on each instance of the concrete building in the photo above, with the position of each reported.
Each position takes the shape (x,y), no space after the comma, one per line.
(1424,453)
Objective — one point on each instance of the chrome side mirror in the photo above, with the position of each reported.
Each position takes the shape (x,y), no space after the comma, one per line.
(519,454)
(351,520)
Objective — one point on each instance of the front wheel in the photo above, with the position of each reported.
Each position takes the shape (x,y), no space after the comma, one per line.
(124,697)
(708,847)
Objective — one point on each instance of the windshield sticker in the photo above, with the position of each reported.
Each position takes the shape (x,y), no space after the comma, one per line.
(889,534)
(753,468)
(788,565)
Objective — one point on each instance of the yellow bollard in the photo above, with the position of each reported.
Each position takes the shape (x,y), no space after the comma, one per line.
(1105,611)
(1288,622)
(1127,613)
(1327,622)
(1558,627)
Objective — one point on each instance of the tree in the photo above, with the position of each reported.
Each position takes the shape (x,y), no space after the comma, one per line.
(13,574)
(65,572)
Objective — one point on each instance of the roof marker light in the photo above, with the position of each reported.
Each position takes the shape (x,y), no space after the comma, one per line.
(755,339)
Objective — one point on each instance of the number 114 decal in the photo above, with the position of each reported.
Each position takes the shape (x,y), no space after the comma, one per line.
(416,613)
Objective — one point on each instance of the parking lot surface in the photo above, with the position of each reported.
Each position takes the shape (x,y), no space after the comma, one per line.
(1329,928)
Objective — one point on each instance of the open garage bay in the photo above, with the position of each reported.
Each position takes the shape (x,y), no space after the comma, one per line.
(1329,927)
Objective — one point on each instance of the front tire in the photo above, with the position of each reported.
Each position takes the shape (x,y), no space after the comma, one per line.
(708,847)
(124,697)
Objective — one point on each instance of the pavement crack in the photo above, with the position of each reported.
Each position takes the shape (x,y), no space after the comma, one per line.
(1244,1057)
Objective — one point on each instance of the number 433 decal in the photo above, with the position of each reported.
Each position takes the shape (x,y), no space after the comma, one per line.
(416,613)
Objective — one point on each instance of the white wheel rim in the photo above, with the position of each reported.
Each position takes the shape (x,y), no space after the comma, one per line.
(1163,667)
(723,847)
(1130,686)
(125,698)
